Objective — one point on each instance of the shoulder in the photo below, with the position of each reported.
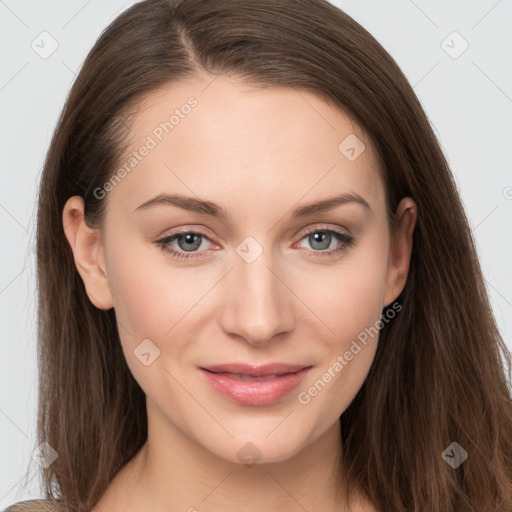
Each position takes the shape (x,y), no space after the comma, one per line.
(33,506)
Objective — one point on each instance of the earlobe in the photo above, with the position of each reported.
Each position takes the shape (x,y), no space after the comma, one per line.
(401,249)
(88,254)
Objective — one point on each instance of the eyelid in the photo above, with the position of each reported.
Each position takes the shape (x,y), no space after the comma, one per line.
(187,228)
(322,226)
(345,238)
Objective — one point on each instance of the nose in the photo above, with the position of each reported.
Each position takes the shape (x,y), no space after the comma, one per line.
(259,306)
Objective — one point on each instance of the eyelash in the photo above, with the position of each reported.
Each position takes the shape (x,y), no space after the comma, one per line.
(347,241)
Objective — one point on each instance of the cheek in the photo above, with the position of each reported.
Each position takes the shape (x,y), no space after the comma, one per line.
(157,301)
(136,299)
(349,300)
(349,297)
(150,295)
(352,312)
(152,302)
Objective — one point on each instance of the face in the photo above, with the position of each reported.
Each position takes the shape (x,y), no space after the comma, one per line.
(257,275)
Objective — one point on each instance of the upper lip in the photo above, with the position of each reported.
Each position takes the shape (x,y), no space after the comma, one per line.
(255,371)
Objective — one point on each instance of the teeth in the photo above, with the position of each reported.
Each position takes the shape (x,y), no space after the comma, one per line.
(249,378)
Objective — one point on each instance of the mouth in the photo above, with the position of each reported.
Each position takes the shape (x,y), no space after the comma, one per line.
(254,385)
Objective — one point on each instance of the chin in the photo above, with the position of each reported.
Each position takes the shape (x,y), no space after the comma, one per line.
(266,448)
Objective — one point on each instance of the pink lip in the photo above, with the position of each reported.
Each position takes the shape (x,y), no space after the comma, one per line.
(264,390)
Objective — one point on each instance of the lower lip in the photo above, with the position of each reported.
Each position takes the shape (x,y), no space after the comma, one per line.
(245,392)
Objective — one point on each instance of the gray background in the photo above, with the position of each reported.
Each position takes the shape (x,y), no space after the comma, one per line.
(467,98)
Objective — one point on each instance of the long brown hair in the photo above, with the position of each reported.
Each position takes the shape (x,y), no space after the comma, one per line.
(440,372)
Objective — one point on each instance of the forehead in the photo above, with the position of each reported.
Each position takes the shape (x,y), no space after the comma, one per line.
(219,138)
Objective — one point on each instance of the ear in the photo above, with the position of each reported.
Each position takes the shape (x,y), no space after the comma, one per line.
(87,248)
(400,250)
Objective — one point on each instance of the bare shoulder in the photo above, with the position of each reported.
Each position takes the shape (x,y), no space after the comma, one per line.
(33,506)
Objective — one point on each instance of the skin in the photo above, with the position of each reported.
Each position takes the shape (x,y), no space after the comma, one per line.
(258,153)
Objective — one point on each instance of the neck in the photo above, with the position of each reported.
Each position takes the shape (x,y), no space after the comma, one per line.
(173,473)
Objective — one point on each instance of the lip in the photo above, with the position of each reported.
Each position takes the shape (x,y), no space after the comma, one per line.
(255,385)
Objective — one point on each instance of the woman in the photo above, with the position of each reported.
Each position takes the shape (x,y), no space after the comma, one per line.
(326,343)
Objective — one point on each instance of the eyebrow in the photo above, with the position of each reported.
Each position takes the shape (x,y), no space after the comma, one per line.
(210,208)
